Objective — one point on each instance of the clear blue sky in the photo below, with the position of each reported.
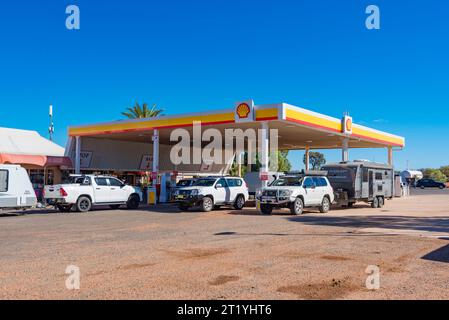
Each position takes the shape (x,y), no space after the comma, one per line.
(200,55)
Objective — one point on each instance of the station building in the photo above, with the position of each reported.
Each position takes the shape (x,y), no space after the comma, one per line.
(43,159)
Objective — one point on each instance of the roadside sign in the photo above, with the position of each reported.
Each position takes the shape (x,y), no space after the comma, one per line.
(206,166)
(263,176)
(146,163)
(85,159)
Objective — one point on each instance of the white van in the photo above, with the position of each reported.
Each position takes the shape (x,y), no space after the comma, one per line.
(16,190)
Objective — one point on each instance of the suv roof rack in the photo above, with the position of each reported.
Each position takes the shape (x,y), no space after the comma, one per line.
(307,172)
(219,176)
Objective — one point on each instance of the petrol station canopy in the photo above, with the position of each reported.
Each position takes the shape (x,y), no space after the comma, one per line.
(297,127)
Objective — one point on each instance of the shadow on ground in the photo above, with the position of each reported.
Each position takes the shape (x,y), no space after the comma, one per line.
(430,224)
(440,255)
(169,208)
(17,213)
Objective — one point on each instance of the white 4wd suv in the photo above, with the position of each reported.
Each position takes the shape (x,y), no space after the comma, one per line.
(211,192)
(296,193)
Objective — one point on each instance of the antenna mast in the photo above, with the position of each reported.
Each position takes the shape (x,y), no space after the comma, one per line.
(51,127)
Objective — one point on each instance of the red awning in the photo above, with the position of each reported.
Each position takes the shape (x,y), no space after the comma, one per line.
(40,161)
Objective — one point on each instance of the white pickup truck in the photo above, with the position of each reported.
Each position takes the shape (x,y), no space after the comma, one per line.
(85,191)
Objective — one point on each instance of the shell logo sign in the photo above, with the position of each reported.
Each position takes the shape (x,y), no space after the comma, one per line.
(347,125)
(244,111)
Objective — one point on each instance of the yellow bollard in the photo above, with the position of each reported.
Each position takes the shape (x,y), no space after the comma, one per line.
(151,196)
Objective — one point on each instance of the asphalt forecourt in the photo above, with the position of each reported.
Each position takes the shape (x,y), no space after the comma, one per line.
(400,251)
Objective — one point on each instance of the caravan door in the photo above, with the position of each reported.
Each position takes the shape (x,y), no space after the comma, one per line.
(370,184)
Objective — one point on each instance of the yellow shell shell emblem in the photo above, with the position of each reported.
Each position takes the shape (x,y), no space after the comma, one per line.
(349,124)
(243,110)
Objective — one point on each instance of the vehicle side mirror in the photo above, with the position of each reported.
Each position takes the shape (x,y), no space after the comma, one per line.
(218,185)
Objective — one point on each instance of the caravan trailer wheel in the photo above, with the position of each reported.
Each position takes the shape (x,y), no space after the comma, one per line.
(381,202)
(375,203)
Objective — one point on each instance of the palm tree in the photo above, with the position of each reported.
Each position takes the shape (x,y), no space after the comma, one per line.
(140,112)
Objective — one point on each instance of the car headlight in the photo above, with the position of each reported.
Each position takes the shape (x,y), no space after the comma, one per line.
(194,192)
(285,193)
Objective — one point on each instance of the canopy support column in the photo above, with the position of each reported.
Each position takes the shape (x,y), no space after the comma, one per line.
(390,155)
(155,156)
(77,155)
(345,150)
(264,142)
(307,159)
(239,163)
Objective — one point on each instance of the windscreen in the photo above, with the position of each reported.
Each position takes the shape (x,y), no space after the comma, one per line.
(204,182)
(79,180)
(183,183)
(76,180)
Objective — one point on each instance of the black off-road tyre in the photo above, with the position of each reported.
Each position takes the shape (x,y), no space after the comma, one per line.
(239,202)
(266,208)
(207,204)
(297,206)
(325,205)
(133,202)
(84,204)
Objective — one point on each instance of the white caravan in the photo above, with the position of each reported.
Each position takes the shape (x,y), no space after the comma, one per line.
(16,190)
